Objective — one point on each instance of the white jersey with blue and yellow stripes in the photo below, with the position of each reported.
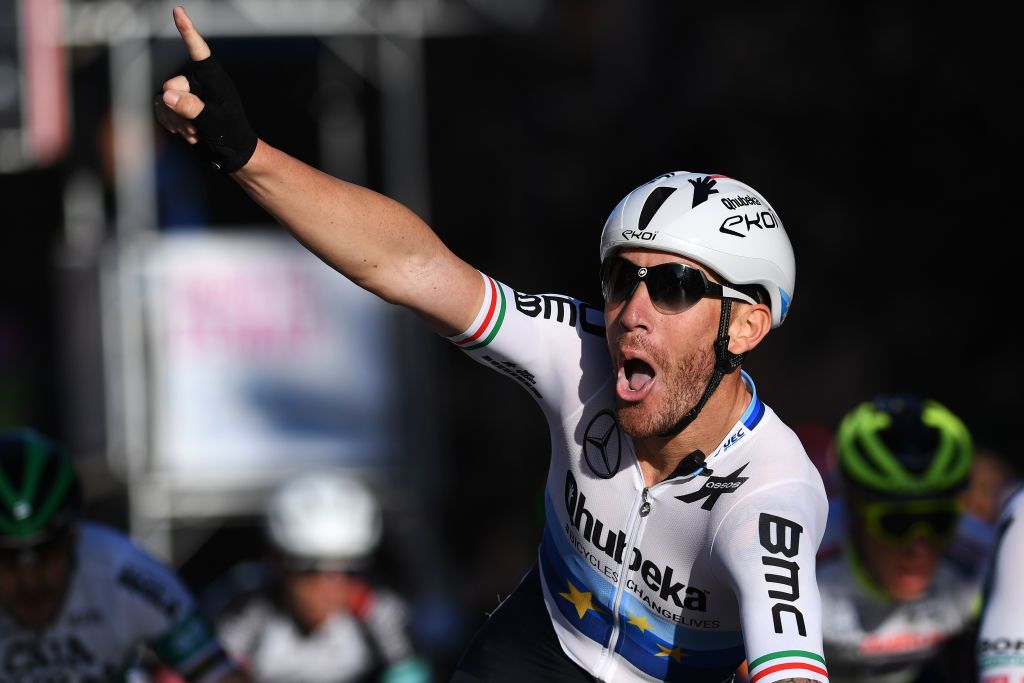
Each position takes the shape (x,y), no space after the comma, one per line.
(676,582)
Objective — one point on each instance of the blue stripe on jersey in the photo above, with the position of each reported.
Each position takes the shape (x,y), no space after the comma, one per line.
(587,575)
(671,632)
(708,655)
(668,662)
(596,622)
(755,410)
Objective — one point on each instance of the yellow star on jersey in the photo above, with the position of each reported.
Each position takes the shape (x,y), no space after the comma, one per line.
(639,622)
(675,653)
(583,602)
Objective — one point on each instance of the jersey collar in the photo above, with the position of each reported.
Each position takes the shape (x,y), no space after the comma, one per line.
(751,418)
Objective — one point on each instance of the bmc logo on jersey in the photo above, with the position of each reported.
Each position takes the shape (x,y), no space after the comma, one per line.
(561,309)
(780,536)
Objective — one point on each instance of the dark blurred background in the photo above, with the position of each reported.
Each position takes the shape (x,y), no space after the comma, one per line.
(886,135)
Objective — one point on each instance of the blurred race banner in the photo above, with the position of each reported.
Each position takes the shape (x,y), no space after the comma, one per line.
(263,359)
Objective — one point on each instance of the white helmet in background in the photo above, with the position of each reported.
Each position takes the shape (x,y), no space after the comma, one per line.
(714,220)
(325,517)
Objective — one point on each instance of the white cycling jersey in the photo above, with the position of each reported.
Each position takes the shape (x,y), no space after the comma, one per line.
(364,644)
(870,638)
(675,582)
(1001,640)
(119,599)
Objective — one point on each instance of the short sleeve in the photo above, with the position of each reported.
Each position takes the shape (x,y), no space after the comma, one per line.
(766,546)
(551,344)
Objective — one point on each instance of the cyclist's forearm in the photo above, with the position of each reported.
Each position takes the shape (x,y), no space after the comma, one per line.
(364,235)
(375,241)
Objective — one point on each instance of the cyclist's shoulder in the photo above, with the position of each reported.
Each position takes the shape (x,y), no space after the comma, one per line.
(372,602)
(780,449)
(135,580)
(777,461)
(123,580)
(102,549)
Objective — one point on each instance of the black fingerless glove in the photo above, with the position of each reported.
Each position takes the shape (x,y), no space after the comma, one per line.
(226,139)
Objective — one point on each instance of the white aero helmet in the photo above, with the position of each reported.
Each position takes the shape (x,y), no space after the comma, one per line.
(325,517)
(714,220)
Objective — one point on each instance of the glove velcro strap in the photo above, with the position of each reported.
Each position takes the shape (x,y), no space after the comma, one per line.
(226,139)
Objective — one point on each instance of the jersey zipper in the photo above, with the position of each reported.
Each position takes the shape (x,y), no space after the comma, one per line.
(640,512)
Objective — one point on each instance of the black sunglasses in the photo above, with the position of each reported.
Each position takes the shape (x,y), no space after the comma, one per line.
(901,522)
(672,287)
(44,552)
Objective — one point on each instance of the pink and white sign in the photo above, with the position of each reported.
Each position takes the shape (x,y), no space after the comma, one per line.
(263,358)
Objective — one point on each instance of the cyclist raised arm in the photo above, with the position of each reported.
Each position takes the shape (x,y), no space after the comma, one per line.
(374,241)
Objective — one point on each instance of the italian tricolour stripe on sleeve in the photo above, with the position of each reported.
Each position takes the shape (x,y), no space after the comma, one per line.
(488,320)
(788,664)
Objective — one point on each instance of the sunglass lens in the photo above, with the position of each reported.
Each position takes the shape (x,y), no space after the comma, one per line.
(618,278)
(666,289)
(942,523)
(897,524)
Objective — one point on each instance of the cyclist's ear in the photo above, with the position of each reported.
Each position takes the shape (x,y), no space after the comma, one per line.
(748,326)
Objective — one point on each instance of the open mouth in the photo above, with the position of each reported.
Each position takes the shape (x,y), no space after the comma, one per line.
(636,377)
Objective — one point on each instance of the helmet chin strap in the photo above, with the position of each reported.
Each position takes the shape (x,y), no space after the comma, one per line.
(725,363)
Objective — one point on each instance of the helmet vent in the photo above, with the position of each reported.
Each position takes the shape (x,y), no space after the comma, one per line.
(654,201)
(912,441)
(862,449)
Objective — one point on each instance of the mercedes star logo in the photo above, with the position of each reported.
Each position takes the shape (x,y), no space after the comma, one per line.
(602,445)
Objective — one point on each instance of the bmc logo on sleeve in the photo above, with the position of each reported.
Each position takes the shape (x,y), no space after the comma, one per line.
(780,536)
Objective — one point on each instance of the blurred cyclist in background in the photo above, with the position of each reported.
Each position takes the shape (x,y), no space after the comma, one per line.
(1000,647)
(317,620)
(80,601)
(905,574)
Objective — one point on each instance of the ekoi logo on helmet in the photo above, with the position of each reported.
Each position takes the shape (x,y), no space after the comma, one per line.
(763,220)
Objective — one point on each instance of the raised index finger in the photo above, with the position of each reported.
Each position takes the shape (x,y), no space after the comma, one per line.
(198,50)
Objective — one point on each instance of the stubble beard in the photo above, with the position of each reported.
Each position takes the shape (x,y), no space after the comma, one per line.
(679,391)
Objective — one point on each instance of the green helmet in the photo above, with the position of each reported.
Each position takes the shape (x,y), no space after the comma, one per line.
(903,447)
(39,491)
